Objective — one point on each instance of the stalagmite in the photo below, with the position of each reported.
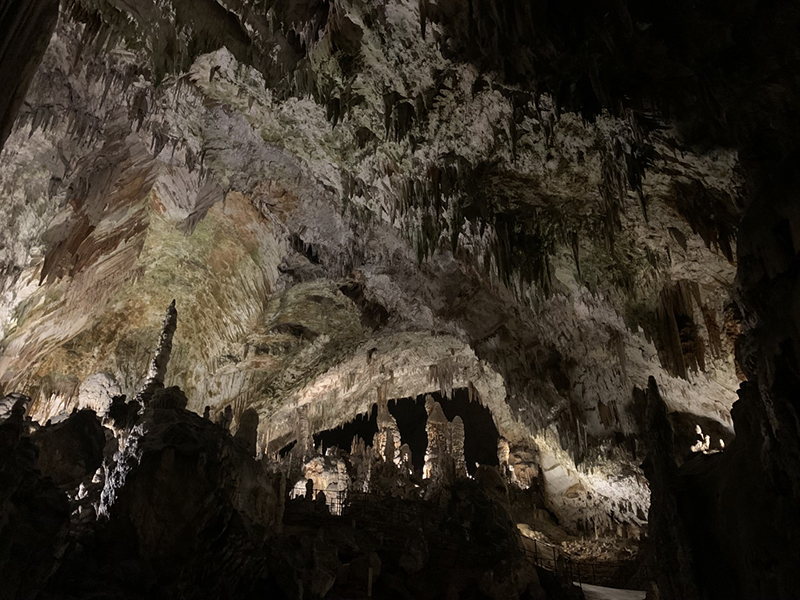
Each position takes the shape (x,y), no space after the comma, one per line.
(436,430)
(403,460)
(456,451)
(503,454)
(387,440)
(247,431)
(158,365)
(302,428)
(225,418)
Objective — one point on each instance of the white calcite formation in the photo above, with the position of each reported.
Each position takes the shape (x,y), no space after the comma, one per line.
(436,454)
(455,435)
(387,440)
(97,391)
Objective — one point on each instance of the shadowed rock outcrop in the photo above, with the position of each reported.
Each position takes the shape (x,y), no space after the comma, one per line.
(34,515)
(72,449)
(25,30)
(185,507)
(671,547)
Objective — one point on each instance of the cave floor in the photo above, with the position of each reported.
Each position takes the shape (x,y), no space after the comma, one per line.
(595,592)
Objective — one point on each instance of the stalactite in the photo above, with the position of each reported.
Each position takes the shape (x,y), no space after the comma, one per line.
(680,346)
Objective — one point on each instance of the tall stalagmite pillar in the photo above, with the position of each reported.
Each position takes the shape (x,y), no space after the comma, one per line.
(435,455)
(387,440)
(158,365)
(456,437)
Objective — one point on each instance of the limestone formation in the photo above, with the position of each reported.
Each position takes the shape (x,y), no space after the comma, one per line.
(532,211)
(305,440)
(404,461)
(436,455)
(168,398)
(13,404)
(97,391)
(247,430)
(387,440)
(674,579)
(456,449)
(71,450)
(122,415)
(34,514)
(157,369)
(503,455)
(225,417)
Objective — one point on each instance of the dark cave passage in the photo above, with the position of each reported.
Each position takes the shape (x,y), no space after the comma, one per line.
(287,448)
(480,432)
(364,426)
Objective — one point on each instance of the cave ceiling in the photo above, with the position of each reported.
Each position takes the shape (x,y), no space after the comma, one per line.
(359,199)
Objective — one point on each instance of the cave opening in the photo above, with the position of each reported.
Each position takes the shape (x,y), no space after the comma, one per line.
(480,431)
(364,426)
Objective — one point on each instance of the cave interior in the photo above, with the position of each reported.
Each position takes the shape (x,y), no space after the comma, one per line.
(403,299)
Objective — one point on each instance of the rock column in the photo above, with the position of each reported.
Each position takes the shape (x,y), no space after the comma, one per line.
(387,440)
(456,437)
(158,365)
(435,455)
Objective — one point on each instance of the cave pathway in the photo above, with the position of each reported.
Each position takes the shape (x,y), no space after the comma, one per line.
(596,592)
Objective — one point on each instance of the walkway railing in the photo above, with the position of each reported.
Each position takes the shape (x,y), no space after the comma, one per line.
(626,575)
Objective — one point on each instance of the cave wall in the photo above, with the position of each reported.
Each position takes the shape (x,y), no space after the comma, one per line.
(25,30)
(318,181)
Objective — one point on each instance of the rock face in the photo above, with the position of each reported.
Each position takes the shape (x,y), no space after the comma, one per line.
(72,449)
(97,391)
(740,531)
(25,29)
(172,454)
(247,430)
(185,510)
(34,515)
(323,242)
(672,551)
(546,204)
(158,365)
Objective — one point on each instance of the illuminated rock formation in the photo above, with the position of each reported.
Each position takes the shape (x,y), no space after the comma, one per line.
(158,365)
(537,205)
(436,454)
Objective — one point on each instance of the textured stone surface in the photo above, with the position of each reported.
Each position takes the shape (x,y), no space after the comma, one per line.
(366,199)
(289,221)
(71,450)
(34,515)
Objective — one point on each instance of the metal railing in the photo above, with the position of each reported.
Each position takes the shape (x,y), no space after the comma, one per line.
(616,574)
(335,502)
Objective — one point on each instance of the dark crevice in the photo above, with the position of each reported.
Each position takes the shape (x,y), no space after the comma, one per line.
(364,426)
